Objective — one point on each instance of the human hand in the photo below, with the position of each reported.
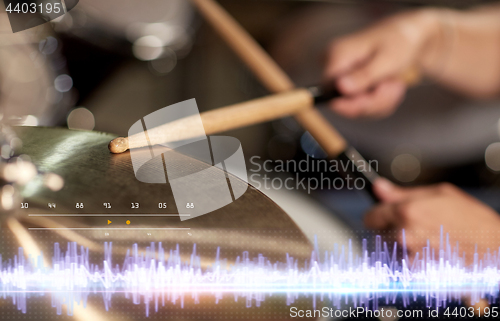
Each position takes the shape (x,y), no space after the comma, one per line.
(421,212)
(367,66)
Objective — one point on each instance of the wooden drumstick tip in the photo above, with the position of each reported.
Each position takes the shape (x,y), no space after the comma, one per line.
(118,145)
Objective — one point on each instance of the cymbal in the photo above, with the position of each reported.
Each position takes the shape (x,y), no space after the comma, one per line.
(93,176)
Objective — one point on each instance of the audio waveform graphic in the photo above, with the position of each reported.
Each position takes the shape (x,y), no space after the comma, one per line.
(157,276)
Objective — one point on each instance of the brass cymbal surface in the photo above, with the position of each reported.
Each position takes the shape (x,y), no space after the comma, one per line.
(94,177)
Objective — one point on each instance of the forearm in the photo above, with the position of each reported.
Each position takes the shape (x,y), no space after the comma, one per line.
(464,53)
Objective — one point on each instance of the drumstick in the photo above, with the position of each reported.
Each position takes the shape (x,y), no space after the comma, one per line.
(293,102)
(263,66)
(218,120)
(227,118)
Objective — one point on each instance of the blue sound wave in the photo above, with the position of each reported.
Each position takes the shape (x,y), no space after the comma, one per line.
(156,276)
